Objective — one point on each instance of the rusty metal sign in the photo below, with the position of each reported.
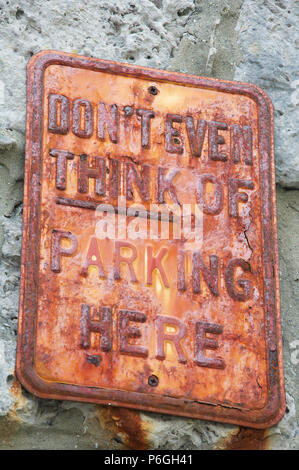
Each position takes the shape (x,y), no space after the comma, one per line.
(149,261)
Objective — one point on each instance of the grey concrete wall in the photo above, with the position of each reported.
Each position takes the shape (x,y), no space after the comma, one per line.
(251,40)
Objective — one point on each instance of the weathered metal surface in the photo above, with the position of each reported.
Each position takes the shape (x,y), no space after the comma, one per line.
(150,323)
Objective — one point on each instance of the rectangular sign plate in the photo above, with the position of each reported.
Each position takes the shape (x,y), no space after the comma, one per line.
(149,262)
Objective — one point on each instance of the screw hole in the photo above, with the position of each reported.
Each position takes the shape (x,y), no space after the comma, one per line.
(153,381)
(10,379)
(94,359)
(153,90)
(128,110)
(176,140)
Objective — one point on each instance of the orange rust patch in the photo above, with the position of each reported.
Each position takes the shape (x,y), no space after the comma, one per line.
(126,424)
(20,402)
(248,439)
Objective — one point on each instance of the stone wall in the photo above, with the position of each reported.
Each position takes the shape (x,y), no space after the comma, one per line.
(251,40)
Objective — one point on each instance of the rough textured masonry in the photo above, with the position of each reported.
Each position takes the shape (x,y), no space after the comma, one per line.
(251,40)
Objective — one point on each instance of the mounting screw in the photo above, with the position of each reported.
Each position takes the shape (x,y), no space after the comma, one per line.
(153,90)
(153,380)
(128,111)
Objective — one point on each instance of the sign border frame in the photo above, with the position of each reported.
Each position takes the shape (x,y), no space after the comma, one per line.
(255,418)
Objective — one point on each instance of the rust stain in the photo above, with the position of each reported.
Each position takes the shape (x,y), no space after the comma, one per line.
(247,439)
(20,402)
(157,322)
(126,424)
